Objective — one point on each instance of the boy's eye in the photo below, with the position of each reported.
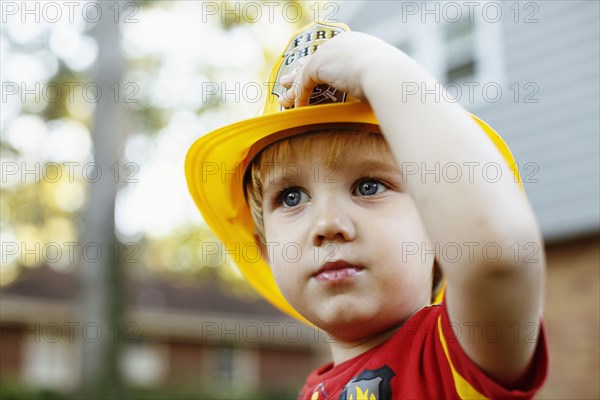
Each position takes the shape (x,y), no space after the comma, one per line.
(369,187)
(293,197)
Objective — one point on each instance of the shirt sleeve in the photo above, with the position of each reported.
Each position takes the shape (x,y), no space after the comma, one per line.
(471,382)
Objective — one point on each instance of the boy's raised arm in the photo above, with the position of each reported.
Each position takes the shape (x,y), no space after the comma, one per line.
(499,278)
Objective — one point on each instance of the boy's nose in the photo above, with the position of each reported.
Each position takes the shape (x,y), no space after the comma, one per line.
(332,224)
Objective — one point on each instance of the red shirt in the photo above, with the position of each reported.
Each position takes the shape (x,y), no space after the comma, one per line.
(423,360)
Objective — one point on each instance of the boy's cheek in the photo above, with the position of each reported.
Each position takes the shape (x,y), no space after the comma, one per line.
(264,253)
(288,284)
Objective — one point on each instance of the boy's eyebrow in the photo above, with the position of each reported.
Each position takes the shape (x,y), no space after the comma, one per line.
(283,181)
(379,165)
(278,183)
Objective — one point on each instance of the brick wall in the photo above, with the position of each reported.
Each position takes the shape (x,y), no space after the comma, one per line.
(10,350)
(572,318)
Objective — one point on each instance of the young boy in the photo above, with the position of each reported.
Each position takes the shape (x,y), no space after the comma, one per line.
(338,187)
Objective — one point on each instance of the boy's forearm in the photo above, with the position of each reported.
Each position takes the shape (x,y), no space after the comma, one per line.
(464,206)
(472,212)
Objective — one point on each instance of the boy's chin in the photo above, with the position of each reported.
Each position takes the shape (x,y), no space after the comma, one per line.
(351,324)
(361,331)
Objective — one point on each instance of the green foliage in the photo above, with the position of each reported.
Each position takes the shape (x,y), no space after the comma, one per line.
(13,390)
(178,394)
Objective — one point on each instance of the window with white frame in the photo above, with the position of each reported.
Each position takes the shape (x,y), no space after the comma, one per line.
(231,368)
(473,57)
(461,60)
(50,363)
(466,51)
(145,363)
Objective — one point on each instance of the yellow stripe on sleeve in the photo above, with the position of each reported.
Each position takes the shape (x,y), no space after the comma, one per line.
(463,388)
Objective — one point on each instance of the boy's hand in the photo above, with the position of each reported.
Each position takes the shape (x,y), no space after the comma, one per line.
(341,63)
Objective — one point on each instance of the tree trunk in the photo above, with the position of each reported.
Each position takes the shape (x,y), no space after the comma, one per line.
(102,275)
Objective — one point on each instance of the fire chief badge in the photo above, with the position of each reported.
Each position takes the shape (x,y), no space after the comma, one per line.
(300,48)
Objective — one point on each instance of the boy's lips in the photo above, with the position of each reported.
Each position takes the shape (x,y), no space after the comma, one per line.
(336,270)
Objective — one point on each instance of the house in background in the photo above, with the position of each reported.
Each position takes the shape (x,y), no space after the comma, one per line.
(531,70)
(189,338)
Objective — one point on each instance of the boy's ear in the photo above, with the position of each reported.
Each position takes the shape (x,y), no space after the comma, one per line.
(263,249)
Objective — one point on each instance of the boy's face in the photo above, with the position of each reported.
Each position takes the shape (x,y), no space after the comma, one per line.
(337,234)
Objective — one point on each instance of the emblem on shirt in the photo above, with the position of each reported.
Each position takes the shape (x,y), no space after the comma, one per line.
(319,390)
(369,385)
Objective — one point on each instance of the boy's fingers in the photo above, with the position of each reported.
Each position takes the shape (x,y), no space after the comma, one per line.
(304,87)
(300,85)
(287,80)
(288,96)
